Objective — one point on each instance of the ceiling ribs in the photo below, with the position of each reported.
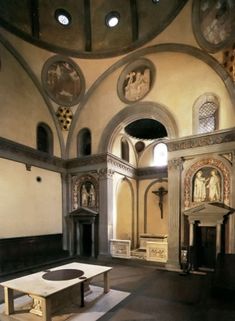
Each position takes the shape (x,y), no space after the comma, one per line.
(134,20)
(34,12)
(87,17)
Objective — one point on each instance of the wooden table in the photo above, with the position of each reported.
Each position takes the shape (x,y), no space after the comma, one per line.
(43,290)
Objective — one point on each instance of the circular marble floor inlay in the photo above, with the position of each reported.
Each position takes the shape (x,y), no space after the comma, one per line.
(62,275)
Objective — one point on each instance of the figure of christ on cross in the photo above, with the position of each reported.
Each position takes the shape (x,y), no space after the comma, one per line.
(161,192)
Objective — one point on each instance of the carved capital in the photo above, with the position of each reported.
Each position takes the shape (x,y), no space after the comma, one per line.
(175,163)
(106,173)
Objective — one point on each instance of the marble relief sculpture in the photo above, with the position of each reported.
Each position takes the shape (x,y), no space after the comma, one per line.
(136,80)
(88,195)
(85,192)
(207,186)
(214,186)
(199,187)
(213,23)
(63,80)
(138,84)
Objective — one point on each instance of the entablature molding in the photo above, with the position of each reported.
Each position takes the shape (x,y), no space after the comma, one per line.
(202,140)
(31,157)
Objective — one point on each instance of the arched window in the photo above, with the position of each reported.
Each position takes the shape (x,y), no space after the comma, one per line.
(84,142)
(125,150)
(207,117)
(44,138)
(205,114)
(160,155)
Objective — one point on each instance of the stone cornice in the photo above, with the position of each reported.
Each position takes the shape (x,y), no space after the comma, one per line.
(201,140)
(32,157)
(29,156)
(86,160)
(120,166)
(152,172)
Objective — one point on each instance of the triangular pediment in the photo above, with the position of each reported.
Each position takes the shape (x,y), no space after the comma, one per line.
(83,211)
(210,208)
(209,212)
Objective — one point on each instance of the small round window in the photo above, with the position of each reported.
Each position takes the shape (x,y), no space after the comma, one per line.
(112,19)
(63,17)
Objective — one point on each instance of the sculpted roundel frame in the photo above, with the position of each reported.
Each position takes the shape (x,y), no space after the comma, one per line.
(136,80)
(213,24)
(63,80)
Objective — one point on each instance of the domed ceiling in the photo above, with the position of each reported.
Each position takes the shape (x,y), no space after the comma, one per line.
(85,28)
(146,129)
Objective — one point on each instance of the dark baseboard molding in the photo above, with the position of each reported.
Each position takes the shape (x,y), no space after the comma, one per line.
(20,253)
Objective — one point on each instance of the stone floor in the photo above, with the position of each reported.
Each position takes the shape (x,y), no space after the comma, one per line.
(159,295)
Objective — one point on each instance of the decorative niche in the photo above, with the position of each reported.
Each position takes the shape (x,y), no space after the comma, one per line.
(85,192)
(136,80)
(63,81)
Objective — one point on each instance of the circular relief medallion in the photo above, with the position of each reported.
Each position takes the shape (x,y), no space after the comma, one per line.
(214,23)
(136,80)
(63,81)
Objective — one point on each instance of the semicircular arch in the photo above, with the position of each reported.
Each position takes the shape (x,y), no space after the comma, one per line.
(131,113)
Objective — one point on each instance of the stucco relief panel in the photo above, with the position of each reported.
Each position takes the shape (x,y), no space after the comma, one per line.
(85,192)
(136,80)
(207,180)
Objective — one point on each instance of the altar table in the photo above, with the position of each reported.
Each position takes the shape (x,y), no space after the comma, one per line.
(40,287)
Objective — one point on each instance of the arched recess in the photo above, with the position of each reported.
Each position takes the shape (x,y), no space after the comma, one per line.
(152,206)
(125,149)
(44,138)
(84,142)
(131,113)
(125,219)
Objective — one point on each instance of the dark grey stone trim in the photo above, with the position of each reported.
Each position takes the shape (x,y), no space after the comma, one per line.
(32,157)
(86,161)
(120,166)
(152,172)
(132,113)
(29,156)
(201,140)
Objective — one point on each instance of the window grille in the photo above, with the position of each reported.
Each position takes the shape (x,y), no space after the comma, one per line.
(207,117)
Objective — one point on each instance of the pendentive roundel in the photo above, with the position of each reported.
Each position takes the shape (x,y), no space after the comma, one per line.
(63,81)
(136,80)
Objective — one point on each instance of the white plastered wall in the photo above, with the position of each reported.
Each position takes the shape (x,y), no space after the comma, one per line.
(22,105)
(29,207)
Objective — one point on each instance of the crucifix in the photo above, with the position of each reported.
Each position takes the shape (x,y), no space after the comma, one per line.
(161,192)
